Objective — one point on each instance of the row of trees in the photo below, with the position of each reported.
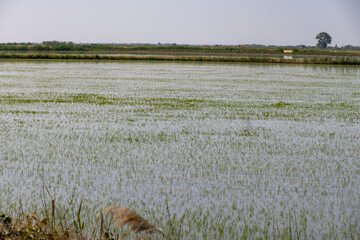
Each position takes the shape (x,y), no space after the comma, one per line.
(323,40)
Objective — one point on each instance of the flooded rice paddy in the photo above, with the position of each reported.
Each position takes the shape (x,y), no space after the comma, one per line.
(243,150)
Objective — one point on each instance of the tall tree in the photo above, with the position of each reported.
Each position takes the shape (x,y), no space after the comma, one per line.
(323,39)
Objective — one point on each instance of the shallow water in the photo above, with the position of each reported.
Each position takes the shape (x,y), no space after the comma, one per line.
(238,146)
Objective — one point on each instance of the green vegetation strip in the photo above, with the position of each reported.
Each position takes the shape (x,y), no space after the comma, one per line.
(234,49)
(324,60)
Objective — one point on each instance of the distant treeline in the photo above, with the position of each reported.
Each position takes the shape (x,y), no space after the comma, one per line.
(230,49)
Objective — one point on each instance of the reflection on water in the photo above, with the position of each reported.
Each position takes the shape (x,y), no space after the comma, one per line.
(333,69)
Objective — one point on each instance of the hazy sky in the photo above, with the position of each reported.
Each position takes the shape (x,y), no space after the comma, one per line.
(278,22)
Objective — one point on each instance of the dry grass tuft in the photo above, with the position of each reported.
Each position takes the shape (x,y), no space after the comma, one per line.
(124,216)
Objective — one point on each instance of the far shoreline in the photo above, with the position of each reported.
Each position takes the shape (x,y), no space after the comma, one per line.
(253,58)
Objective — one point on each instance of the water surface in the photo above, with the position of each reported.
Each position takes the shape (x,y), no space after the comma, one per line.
(243,148)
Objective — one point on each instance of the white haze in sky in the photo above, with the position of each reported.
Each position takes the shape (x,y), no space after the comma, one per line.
(277,22)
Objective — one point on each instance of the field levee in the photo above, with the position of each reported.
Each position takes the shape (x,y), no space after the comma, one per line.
(341,60)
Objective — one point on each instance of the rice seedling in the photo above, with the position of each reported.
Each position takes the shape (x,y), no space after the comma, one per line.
(201,150)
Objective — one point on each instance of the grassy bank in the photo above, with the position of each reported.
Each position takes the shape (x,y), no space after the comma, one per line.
(113,223)
(116,222)
(315,60)
(66,223)
(235,49)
